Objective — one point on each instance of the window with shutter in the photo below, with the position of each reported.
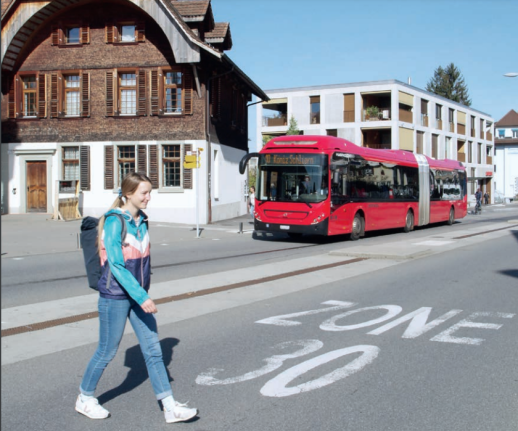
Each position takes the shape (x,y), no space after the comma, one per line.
(70,164)
(70,32)
(171,165)
(153,165)
(84,161)
(130,31)
(187,173)
(125,161)
(142,159)
(108,167)
(55,95)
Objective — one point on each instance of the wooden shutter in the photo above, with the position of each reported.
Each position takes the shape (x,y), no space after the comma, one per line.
(84,167)
(140,27)
(187,173)
(109,33)
(13,105)
(108,167)
(141,92)
(161,90)
(142,159)
(55,35)
(154,92)
(85,94)
(42,95)
(215,97)
(187,91)
(110,94)
(54,95)
(85,33)
(153,165)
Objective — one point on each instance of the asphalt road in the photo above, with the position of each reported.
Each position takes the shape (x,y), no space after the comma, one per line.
(338,356)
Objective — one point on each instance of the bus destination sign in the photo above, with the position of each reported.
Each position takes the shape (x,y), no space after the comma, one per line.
(292,159)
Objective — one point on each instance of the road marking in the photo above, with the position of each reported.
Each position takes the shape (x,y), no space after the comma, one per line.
(434,243)
(330,325)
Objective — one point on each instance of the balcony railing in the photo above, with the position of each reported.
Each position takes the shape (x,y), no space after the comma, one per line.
(481,135)
(461,129)
(383,115)
(405,115)
(424,120)
(489,136)
(489,160)
(461,157)
(438,124)
(472,133)
(452,127)
(275,121)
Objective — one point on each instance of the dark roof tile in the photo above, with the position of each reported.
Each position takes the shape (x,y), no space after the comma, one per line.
(509,119)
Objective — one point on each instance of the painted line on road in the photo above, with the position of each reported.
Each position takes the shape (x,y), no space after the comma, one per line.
(487,231)
(86,316)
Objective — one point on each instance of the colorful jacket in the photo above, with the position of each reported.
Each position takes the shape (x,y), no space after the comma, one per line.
(128,266)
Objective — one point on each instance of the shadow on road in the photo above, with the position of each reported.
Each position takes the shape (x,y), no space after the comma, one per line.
(138,372)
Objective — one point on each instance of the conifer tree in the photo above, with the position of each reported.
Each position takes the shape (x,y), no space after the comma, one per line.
(293,127)
(449,83)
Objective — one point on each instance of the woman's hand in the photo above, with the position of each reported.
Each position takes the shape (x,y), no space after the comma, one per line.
(149,306)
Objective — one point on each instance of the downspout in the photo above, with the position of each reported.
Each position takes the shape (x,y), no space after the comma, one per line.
(209,148)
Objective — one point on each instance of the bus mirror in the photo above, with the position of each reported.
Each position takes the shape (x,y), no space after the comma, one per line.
(244,161)
(336,177)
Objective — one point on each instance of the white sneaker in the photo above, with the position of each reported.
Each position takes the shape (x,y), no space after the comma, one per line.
(91,408)
(180,413)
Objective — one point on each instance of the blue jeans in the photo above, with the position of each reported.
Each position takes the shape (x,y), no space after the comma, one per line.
(112,318)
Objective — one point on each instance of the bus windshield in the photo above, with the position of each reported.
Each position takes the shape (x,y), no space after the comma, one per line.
(293,177)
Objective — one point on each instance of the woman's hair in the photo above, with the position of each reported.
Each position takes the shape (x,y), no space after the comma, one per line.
(129,185)
(252,188)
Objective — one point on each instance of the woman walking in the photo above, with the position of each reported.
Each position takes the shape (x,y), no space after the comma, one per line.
(123,293)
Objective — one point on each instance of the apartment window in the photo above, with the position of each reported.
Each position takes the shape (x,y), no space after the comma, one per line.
(447,148)
(72,95)
(501,133)
(70,33)
(438,116)
(125,32)
(70,157)
(479,153)
(172,92)
(314,109)
(127,94)
(171,166)
(435,146)
(470,152)
(451,117)
(473,182)
(125,161)
(29,87)
(515,133)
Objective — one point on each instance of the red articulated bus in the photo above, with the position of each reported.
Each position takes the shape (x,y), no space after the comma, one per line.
(323,185)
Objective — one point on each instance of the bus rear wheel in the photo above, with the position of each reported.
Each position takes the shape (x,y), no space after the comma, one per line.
(451,218)
(409,222)
(357,227)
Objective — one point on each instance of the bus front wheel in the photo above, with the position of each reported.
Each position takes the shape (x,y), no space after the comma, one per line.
(409,222)
(357,227)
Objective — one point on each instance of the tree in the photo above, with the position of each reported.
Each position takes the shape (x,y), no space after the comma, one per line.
(293,127)
(449,83)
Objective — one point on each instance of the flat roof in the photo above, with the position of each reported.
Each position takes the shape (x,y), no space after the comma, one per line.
(371,83)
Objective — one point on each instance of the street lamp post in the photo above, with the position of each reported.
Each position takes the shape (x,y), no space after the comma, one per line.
(511,75)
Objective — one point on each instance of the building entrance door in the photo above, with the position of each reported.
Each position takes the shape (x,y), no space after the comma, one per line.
(37,186)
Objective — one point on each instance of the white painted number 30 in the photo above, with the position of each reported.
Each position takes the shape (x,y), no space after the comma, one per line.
(277,387)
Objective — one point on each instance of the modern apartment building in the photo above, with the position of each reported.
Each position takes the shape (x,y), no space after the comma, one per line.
(506,156)
(387,115)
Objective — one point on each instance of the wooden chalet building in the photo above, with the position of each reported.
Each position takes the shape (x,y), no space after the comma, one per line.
(92,90)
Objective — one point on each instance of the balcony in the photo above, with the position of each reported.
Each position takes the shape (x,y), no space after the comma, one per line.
(405,115)
(489,136)
(382,115)
(461,157)
(461,129)
(275,121)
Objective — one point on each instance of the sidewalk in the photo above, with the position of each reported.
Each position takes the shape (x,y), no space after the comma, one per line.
(33,234)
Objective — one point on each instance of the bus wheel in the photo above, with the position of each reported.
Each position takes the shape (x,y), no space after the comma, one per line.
(409,222)
(451,218)
(357,227)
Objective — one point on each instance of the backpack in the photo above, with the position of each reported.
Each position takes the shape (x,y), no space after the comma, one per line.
(88,239)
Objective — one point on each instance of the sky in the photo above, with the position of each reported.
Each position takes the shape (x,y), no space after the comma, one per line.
(299,43)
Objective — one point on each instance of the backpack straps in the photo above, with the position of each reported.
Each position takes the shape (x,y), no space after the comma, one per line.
(123,229)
